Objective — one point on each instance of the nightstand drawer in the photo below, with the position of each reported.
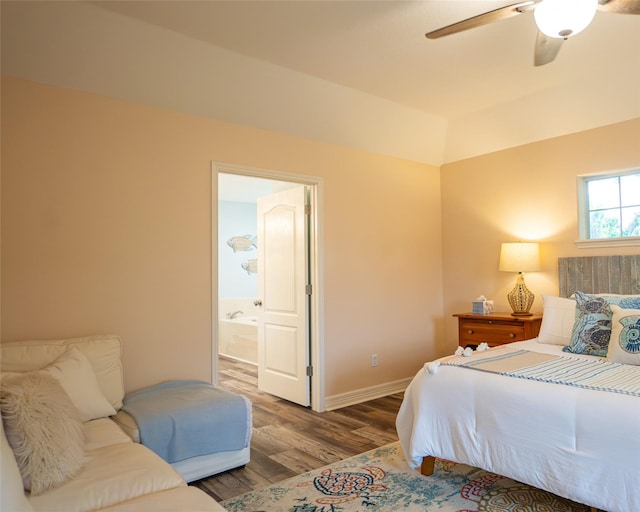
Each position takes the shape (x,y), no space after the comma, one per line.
(496,328)
(493,333)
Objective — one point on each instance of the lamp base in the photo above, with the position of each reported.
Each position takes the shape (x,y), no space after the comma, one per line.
(520,298)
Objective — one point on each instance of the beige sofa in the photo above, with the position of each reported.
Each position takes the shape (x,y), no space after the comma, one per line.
(117,474)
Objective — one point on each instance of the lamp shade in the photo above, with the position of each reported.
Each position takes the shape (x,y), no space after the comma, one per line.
(564,18)
(520,257)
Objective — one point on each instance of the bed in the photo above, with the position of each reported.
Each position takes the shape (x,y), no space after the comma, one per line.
(576,440)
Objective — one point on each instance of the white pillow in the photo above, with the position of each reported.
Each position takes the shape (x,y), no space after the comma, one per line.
(624,345)
(43,429)
(558,317)
(76,376)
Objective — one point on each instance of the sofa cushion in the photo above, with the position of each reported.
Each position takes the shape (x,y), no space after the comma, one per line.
(115,473)
(102,351)
(180,498)
(102,432)
(43,428)
(126,422)
(11,488)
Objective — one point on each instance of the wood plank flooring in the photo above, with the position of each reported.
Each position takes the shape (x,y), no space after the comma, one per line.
(289,439)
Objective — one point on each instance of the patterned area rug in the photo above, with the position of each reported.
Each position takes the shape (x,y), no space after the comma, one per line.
(381,480)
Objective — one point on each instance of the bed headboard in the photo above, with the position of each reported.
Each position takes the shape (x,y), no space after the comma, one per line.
(599,274)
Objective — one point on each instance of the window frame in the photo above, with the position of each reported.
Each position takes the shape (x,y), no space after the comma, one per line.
(583,212)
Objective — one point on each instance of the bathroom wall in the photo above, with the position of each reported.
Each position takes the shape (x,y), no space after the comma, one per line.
(236,219)
(237,287)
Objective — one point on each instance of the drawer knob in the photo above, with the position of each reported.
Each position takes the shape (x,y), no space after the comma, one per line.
(511,335)
(470,331)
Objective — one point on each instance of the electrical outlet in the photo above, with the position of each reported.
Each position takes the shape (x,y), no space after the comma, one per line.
(374,360)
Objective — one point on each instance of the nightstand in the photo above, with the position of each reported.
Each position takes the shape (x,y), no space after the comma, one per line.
(496,328)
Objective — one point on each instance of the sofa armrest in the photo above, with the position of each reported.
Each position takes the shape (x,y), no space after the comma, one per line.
(12,497)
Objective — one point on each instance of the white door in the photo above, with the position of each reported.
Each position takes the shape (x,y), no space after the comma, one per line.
(283,341)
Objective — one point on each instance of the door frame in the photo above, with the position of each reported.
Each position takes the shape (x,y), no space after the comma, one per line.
(316,310)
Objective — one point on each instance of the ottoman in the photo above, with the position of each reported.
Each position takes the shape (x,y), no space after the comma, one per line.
(196,427)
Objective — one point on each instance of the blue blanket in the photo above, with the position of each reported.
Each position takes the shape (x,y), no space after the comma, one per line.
(183,419)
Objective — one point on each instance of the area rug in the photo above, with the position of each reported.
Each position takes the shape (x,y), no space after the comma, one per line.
(381,480)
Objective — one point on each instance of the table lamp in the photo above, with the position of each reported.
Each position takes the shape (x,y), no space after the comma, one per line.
(520,257)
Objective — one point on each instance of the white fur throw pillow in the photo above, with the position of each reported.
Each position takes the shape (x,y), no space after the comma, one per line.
(43,428)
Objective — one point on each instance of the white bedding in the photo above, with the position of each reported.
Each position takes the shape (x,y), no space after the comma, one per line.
(578,443)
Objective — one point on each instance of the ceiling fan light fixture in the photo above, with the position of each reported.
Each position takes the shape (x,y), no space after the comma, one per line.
(564,18)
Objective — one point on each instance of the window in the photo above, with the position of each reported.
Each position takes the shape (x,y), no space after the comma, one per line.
(610,206)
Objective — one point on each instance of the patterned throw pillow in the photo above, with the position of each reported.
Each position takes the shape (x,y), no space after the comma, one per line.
(624,346)
(592,329)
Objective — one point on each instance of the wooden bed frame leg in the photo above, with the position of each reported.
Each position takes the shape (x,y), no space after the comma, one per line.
(428,466)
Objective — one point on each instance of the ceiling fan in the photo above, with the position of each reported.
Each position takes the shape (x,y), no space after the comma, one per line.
(557,20)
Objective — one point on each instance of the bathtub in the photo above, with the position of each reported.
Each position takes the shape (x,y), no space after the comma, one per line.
(238,338)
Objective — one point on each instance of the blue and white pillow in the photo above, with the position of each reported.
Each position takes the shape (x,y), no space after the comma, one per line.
(624,346)
(592,328)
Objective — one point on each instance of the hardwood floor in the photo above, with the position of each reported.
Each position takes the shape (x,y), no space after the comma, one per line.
(289,439)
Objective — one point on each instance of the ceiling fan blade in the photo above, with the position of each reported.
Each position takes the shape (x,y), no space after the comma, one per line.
(546,49)
(620,6)
(483,19)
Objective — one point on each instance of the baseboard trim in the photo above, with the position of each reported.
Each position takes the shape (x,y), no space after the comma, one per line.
(362,395)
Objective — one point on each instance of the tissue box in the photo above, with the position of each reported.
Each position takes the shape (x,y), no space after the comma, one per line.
(482,307)
(477,307)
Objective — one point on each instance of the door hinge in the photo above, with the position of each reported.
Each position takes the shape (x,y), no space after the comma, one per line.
(309,371)
(307,209)
(308,289)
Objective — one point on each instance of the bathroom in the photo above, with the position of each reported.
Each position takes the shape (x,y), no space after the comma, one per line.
(237,281)
(237,263)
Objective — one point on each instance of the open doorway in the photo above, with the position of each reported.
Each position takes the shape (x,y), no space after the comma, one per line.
(245,307)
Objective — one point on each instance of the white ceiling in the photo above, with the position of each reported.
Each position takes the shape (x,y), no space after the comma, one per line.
(379,46)
(433,100)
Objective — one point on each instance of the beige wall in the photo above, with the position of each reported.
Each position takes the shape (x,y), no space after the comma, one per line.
(106,228)
(524,193)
